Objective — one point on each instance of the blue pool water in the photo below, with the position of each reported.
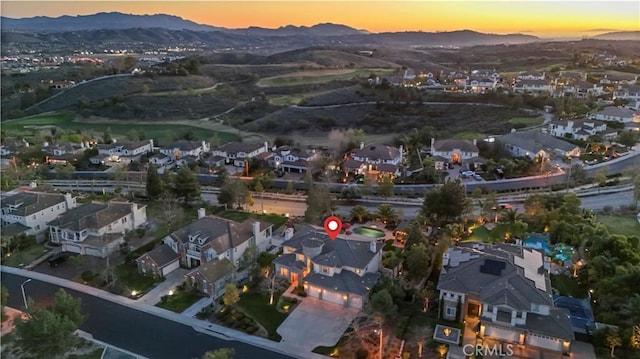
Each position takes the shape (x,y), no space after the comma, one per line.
(560,252)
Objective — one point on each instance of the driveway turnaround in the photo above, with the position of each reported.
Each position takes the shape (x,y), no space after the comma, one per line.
(315,323)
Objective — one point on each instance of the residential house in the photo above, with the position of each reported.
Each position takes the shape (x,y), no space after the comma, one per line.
(237,153)
(211,277)
(534,87)
(96,229)
(631,93)
(536,144)
(63,153)
(493,75)
(531,75)
(618,80)
(32,209)
(376,160)
(580,129)
(482,84)
(293,159)
(125,151)
(616,114)
(160,159)
(504,292)
(340,271)
(182,148)
(158,262)
(453,151)
(210,238)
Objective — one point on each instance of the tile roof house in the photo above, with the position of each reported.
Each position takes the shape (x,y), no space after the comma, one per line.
(340,271)
(579,129)
(96,229)
(507,289)
(237,152)
(535,144)
(376,159)
(158,262)
(455,151)
(616,114)
(32,209)
(293,159)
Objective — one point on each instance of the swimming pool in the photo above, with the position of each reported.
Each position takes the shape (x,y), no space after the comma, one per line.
(538,241)
(369,232)
(560,251)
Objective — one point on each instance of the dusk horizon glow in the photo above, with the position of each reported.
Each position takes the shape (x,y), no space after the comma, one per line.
(539,18)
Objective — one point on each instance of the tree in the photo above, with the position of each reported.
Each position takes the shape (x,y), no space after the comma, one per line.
(627,138)
(382,303)
(359,213)
(600,178)
(4,296)
(231,295)
(154,183)
(415,235)
(387,214)
(65,171)
(186,185)
(289,189)
(636,189)
(421,335)
(613,340)
(635,337)
(170,210)
(418,261)
(48,332)
(446,203)
(319,205)
(223,353)
(385,187)
(249,261)
(233,193)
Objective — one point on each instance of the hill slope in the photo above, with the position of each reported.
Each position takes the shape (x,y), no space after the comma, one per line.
(620,35)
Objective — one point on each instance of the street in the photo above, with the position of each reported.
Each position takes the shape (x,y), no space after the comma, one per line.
(133,330)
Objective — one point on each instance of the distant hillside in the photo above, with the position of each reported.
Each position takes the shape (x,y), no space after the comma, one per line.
(620,35)
(290,30)
(103,20)
(451,38)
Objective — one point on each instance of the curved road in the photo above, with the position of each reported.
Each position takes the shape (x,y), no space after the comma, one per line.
(131,329)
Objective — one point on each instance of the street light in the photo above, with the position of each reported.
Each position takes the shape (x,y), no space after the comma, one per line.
(24,297)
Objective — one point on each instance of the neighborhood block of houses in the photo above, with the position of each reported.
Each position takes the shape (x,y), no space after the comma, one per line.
(504,291)
(341,271)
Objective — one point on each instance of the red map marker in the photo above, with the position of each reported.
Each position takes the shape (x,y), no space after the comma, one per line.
(333,226)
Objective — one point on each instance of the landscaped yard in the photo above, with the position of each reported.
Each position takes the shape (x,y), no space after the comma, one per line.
(239,216)
(567,286)
(527,121)
(180,300)
(256,305)
(25,256)
(619,224)
(127,273)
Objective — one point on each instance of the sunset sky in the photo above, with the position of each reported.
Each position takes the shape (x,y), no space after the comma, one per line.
(540,18)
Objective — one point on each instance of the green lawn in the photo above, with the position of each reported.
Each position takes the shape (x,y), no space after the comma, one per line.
(127,273)
(180,301)
(468,135)
(239,216)
(25,256)
(527,121)
(95,354)
(161,133)
(568,286)
(479,234)
(318,76)
(618,224)
(256,305)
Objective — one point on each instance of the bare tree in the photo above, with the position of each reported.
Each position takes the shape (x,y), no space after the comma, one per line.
(171,211)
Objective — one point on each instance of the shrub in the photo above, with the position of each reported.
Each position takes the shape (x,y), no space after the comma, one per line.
(87,275)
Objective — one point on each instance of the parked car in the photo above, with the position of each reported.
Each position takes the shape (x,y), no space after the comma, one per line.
(58,258)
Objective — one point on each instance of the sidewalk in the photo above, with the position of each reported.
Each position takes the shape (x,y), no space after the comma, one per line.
(170,282)
(110,351)
(198,325)
(197,307)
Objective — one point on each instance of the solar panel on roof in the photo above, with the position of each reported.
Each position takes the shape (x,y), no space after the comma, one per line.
(492,267)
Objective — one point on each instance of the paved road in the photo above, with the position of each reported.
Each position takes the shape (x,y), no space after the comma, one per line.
(133,330)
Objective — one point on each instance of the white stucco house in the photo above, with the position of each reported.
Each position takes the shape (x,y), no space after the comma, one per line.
(616,114)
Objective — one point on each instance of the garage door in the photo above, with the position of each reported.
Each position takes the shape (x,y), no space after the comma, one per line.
(500,333)
(355,301)
(314,292)
(71,248)
(333,297)
(170,268)
(542,341)
(93,252)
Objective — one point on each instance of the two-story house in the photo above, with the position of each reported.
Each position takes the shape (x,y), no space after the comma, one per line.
(534,87)
(580,129)
(531,75)
(237,153)
(481,84)
(183,149)
(125,151)
(32,209)
(631,93)
(534,144)
(504,291)
(293,159)
(616,114)
(340,271)
(375,159)
(63,153)
(457,152)
(96,229)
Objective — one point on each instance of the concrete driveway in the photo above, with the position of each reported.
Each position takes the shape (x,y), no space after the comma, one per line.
(171,281)
(315,323)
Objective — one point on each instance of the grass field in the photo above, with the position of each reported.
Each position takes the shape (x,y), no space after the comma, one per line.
(25,256)
(161,133)
(318,76)
(256,305)
(527,121)
(180,300)
(468,135)
(618,224)
(240,217)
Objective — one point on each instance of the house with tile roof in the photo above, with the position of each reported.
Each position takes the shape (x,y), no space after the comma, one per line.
(616,114)
(504,291)
(158,262)
(374,159)
(29,211)
(95,228)
(237,152)
(340,271)
(536,144)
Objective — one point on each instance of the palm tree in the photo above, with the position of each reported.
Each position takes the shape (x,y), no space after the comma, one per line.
(511,216)
(387,214)
(359,213)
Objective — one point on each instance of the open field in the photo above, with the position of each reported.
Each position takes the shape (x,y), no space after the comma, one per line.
(162,133)
(619,224)
(318,76)
(527,121)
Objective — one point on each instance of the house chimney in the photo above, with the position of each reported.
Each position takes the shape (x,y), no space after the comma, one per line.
(256,231)
(134,212)
(33,184)
(151,142)
(266,146)
(361,145)
(288,233)
(475,141)
(69,201)
(433,142)
(201,213)
(373,247)
(401,149)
